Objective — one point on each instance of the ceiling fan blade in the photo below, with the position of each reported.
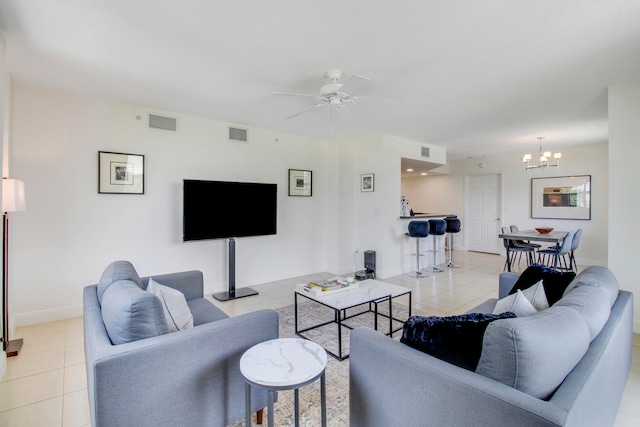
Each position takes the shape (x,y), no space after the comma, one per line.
(295,94)
(304,111)
(344,113)
(353,84)
(381,100)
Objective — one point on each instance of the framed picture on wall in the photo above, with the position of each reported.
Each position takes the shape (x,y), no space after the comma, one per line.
(366,182)
(299,183)
(120,173)
(562,197)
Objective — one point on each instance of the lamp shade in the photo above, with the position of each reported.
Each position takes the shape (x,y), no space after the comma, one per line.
(13,199)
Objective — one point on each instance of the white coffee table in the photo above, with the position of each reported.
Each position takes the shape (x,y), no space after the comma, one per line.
(283,364)
(372,292)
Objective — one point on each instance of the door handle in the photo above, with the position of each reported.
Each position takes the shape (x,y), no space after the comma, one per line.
(497,219)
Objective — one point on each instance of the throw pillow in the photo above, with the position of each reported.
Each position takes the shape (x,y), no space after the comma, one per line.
(117,270)
(534,354)
(529,277)
(454,339)
(537,296)
(174,305)
(554,282)
(130,314)
(516,303)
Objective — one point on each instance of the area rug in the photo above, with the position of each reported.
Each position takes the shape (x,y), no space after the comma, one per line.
(337,372)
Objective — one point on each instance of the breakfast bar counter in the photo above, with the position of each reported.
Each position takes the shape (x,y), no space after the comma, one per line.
(426,215)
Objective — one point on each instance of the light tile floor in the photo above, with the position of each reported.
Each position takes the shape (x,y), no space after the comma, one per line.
(46,384)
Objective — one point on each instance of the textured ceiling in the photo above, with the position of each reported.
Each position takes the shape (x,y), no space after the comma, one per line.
(477,77)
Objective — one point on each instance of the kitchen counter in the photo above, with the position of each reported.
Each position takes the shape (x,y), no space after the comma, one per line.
(426,215)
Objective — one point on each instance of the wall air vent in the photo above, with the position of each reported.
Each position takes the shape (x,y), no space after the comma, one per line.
(236,134)
(425,151)
(163,123)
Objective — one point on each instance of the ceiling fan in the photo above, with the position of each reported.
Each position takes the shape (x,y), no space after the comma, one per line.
(338,95)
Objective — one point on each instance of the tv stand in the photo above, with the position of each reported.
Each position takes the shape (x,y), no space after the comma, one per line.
(233,293)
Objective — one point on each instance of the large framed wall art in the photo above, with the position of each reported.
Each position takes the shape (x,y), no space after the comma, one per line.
(562,197)
(120,173)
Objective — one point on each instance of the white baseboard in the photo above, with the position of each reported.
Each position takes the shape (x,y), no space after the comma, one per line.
(3,363)
(45,316)
(583,261)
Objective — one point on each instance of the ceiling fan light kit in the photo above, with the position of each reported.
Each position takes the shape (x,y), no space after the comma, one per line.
(543,159)
(337,95)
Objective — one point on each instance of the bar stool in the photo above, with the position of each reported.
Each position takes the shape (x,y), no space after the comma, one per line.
(437,227)
(453,227)
(418,230)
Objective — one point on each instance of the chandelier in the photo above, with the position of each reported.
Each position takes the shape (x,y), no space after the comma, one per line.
(544,159)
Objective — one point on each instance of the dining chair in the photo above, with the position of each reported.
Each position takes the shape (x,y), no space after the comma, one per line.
(515,229)
(574,245)
(550,258)
(515,251)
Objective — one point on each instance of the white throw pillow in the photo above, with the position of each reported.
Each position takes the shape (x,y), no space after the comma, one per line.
(536,296)
(175,306)
(516,303)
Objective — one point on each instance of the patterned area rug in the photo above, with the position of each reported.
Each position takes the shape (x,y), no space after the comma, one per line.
(337,372)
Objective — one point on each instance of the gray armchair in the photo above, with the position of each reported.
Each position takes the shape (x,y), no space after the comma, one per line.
(189,377)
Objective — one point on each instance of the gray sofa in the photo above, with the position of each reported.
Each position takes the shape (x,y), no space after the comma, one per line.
(392,384)
(189,377)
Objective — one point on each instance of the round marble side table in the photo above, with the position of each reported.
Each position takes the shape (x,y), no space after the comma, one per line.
(283,364)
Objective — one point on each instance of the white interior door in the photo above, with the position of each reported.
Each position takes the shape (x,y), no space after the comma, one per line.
(484,195)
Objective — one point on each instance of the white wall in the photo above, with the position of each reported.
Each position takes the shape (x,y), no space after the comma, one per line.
(624,151)
(445,193)
(69,232)
(434,194)
(376,218)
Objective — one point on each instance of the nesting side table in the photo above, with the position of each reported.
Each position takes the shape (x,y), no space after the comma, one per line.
(284,364)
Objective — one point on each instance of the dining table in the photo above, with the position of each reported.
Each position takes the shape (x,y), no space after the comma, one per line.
(554,236)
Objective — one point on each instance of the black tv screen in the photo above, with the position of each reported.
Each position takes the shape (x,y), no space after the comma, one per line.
(223,209)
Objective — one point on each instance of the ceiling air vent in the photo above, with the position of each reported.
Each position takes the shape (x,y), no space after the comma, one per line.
(425,152)
(163,123)
(236,134)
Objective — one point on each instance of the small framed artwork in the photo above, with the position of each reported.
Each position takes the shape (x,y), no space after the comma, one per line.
(120,173)
(299,183)
(366,182)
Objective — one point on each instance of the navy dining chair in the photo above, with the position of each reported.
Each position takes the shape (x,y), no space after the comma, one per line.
(515,252)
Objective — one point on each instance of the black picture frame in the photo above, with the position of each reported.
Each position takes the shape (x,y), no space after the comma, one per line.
(561,197)
(300,183)
(120,173)
(367,182)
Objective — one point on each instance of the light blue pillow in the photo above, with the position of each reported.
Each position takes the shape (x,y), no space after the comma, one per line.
(534,354)
(130,313)
(117,270)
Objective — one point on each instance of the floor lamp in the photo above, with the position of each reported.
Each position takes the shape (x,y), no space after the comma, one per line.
(12,201)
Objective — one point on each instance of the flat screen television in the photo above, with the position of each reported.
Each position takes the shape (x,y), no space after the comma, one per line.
(223,209)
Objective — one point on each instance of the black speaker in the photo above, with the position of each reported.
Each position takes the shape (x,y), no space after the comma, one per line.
(370,262)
